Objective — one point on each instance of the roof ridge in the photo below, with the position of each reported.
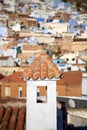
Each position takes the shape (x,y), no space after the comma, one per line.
(45,72)
(33,68)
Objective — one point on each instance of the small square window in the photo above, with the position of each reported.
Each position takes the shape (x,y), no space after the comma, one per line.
(73,59)
(41,94)
(67,59)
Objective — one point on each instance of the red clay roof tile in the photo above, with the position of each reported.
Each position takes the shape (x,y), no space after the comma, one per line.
(12,118)
(2,109)
(21,118)
(15,77)
(6,118)
(42,68)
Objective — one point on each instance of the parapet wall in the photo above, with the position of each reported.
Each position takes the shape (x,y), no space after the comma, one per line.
(77,117)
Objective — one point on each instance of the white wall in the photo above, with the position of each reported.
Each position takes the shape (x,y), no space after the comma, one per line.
(10,2)
(70,57)
(57,27)
(84,85)
(41,116)
(46,39)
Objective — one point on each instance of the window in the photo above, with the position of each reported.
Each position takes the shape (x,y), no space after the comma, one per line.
(67,59)
(20,91)
(41,94)
(73,59)
(7,91)
(69,68)
(58,62)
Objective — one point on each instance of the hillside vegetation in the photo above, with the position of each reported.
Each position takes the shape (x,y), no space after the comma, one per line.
(80,4)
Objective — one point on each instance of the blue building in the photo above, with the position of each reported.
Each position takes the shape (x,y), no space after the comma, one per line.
(55,3)
(59,62)
(3,31)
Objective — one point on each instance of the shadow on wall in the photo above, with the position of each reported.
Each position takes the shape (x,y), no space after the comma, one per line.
(61,116)
(71,127)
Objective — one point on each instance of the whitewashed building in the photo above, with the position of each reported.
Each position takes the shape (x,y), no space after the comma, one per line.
(10,5)
(6,61)
(84,85)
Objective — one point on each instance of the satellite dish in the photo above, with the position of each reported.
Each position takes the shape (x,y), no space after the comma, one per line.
(71,103)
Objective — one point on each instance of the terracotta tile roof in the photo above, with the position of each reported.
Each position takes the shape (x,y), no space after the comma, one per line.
(12,117)
(42,68)
(71,78)
(15,77)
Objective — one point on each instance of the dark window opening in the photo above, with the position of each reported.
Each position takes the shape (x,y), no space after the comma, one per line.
(58,62)
(20,93)
(73,59)
(67,59)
